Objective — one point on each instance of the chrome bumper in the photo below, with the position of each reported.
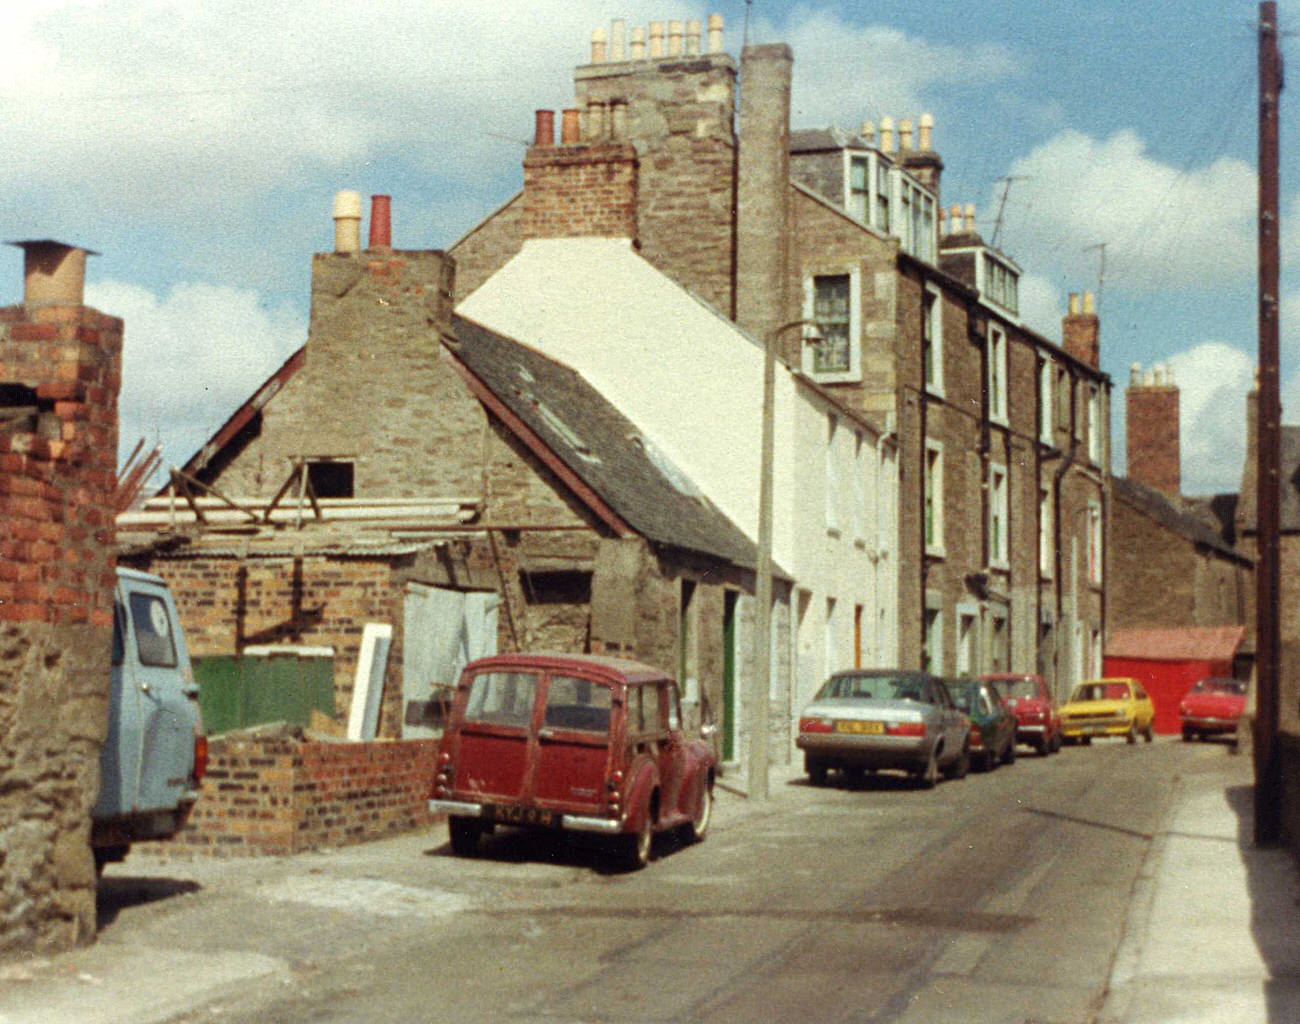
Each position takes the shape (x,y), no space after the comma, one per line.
(570,822)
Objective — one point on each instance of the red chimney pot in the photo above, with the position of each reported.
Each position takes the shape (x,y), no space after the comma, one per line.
(381,222)
(544,128)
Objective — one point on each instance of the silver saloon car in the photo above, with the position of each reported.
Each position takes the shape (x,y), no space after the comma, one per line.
(868,719)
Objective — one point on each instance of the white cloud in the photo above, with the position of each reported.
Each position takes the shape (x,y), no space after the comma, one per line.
(1213,380)
(191,357)
(1041,307)
(1162,227)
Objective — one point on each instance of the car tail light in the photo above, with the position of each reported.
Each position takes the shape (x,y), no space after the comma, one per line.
(200,757)
(976,737)
(442,784)
(816,724)
(905,729)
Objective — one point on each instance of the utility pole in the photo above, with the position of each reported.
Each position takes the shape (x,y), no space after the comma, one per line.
(1268,775)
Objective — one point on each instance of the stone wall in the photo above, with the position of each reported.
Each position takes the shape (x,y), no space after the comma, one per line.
(59,377)
(272,792)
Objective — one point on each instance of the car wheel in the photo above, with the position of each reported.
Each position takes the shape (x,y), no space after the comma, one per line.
(635,849)
(928,776)
(699,826)
(1188,735)
(1148,734)
(959,766)
(1009,755)
(465,834)
(1086,740)
(1056,744)
(984,762)
(816,772)
(1131,736)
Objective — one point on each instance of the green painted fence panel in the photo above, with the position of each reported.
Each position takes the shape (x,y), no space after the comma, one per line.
(237,692)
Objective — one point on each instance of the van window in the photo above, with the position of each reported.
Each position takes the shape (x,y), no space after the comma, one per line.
(573,703)
(153,631)
(119,613)
(501,698)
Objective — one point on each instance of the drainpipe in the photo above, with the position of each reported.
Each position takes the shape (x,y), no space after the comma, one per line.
(1061,470)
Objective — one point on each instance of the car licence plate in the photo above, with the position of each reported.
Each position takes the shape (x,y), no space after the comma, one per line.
(867,728)
(513,815)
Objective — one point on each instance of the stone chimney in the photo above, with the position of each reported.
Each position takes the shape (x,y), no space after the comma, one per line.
(763,208)
(1152,408)
(1081,331)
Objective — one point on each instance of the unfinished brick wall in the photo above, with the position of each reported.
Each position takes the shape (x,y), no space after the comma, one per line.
(274,793)
(60,366)
(580,190)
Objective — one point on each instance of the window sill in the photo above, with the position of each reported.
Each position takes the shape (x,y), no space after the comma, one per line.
(935,552)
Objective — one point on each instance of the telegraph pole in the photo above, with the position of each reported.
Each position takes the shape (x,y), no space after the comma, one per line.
(1268,776)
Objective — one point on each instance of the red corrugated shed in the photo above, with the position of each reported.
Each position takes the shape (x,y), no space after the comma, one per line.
(1169,661)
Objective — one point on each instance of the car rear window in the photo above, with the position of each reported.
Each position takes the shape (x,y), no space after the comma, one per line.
(574,703)
(873,688)
(153,631)
(501,698)
(1020,688)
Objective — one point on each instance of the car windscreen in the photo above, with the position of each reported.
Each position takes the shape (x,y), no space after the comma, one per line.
(1101,691)
(967,698)
(574,703)
(153,631)
(1229,687)
(501,698)
(873,687)
(1020,688)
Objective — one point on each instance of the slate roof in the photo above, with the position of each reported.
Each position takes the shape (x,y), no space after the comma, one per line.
(816,140)
(600,445)
(1158,507)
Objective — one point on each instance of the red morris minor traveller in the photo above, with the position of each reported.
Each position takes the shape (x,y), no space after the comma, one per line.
(573,742)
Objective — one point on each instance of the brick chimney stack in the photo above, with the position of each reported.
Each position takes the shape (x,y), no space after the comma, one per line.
(1154,457)
(1081,331)
(585,186)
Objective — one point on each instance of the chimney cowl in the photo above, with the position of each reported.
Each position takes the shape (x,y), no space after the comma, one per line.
(381,222)
(54,273)
(347,221)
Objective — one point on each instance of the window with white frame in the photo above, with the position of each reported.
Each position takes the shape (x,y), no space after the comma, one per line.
(967,639)
(1046,533)
(997,353)
(831,301)
(861,501)
(999,282)
(832,477)
(832,626)
(916,218)
(1046,414)
(1095,552)
(1096,425)
(858,190)
(932,641)
(883,219)
(998,516)
(932,339)
(933,498)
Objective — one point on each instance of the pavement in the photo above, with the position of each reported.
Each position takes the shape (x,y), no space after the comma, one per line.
(1212,932)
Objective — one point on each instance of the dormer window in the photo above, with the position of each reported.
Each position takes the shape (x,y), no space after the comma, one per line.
(880,193)
(999,281)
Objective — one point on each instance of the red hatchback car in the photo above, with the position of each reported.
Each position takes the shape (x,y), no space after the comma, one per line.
(1038,720)
(572,742)
(1212,707)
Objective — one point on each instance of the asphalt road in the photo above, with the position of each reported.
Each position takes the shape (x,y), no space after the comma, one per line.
(999,898)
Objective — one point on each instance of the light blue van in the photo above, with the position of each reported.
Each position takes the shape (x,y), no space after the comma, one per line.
(155,752)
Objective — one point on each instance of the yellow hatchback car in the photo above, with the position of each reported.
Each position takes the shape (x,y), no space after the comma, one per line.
(1107,707)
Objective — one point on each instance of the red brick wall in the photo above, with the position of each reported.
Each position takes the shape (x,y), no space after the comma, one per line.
(1153,440)
(278,794)
(580,190)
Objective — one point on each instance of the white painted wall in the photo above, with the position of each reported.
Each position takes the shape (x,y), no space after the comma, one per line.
(692,382)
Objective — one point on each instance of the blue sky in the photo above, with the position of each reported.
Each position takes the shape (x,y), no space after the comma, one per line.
(197,146)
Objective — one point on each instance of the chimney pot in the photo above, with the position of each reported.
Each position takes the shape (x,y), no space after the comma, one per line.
(1074,304)
(656,39)
(969,213)
(544,128)
(1134,374)
(1088,306)
(54,274)
(693,37)
(904,135)
(347,221)
(598,52)
(381,222)
(886,134)
(595,129)
(715,33)
(570,129)
(638,43)
(618,40)
(867,132)
(925,141)
(675,30)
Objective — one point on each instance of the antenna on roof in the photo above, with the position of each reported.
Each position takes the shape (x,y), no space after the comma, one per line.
(1002,204)
(1101,272)
(744,39)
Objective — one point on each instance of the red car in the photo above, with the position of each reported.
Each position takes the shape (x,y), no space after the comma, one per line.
(571,742)
(1038,721)
(1212,707)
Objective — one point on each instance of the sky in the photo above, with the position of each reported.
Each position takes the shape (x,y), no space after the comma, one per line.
(196,145)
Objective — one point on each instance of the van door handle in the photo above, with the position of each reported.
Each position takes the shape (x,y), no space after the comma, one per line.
(144,688)
(546,734)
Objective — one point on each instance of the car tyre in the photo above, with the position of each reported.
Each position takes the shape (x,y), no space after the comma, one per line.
(465,833)
(1009,755)
(959,767)
(1086,740)
(1148,734)
(1131,736)
(699,824)
(635,849)
(816,772)
(928,776)
(1188,735)
(1056,744)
